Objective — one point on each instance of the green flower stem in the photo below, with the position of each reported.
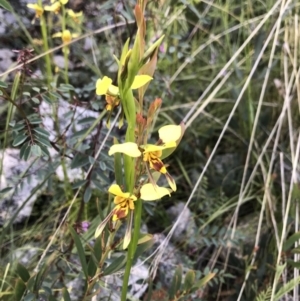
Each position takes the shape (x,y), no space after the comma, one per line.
(129,110)
(66,48)
(132,246)
(46,46)
(128,105)
(66,63)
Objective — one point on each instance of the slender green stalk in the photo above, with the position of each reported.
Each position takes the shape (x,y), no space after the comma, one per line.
(46,47)
(130,114)
(66,48)
(129,110)
(132,247)
(10,112)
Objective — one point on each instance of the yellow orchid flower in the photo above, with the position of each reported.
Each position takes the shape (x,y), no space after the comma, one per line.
(128,148)
(150,192)
(104,86)
(38,9)
(66,36)
(75,16)
(152,154)
(55,7)
(123,201)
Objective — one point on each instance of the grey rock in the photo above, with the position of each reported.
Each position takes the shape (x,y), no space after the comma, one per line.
(59,61)
(25,254)
(186,227)
(20,176)
(111,286)
(169,260)
(68,116)
(6,58)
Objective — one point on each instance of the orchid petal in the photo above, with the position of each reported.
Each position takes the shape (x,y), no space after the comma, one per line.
(55,7)
(128,148)
(116,190)
(113,90)
(72,14)
(57,35)
(102,85)
(171,182)
(140,81)
(152,148)
(102,225)
(127,236)
(149,192)
(170,133)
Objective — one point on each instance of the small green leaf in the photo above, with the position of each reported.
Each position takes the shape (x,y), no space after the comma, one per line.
(18,126)
(35,120)
(22,272)
(202,282)
(19,139)
(116,265)
(4,190)
(35,100)
(36,150)
(92,160)
(79,161)
(25,151)
(66,87)
(98,248)
(176,282)
(45,151)
(86,120)
(66,294)
(294,264)
(189,280)
(92,267)
(102,165)
(30,283)
(2,84)
(42,140)
(80,133)
(47,290)
(47,99)
(78,184)
(80,251)
(19,290)
(87,194)
(144,243)
(36,89)
(41,132)
(291,241)
(29,297)
(54,94)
